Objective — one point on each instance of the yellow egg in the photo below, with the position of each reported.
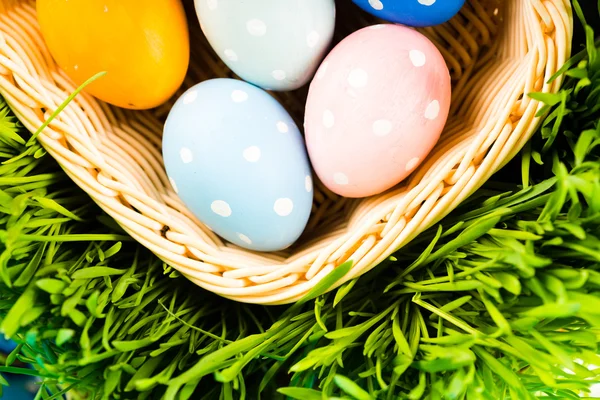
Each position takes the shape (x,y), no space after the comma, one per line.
(142,45)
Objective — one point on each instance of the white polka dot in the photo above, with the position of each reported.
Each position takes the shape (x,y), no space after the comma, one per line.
(328,119)
(283,207)
(212,4)
(308,183)
(278,75)
(312,39)
(340,178)
(252,154)
(322,70)
(417,58)
(256,27)
(427,2)
(231,55)
(433,110)
(358,78)
(190,96)
(239,96)
(186,155)
(377,4)
(221,208)
(282,127)
(173,184)
(244,238)
(382,127)
(412,163)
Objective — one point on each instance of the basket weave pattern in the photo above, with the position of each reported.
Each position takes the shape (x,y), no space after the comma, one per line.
(497,51)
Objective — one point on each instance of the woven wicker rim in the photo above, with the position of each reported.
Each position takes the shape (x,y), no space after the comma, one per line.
(497,51)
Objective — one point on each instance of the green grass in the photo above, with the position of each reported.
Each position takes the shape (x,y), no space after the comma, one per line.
(498,301)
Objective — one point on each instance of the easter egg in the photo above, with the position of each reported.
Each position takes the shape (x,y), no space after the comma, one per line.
(276,45)
(376,108)
(418,13)
(238,162)
(142,46)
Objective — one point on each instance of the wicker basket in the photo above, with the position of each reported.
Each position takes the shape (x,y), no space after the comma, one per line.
(498,52)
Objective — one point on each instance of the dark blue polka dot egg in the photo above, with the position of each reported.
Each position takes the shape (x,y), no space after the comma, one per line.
(238,162)
(417,13)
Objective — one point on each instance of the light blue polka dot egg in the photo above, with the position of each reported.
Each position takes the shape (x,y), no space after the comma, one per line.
(239,163)
(274,44)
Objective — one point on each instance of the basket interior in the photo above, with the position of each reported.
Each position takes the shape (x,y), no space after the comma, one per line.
(496,50)
(471,47)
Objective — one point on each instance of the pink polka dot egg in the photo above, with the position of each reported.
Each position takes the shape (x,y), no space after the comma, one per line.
(375,109)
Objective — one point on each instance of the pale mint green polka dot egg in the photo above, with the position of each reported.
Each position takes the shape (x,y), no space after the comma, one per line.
(274,44)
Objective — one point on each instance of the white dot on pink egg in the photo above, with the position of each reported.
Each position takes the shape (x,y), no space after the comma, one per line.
(412,164)
(382,127)
(322,70)
(417,57)
(358,78)
(433,110)
(340,178)
(328,119)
